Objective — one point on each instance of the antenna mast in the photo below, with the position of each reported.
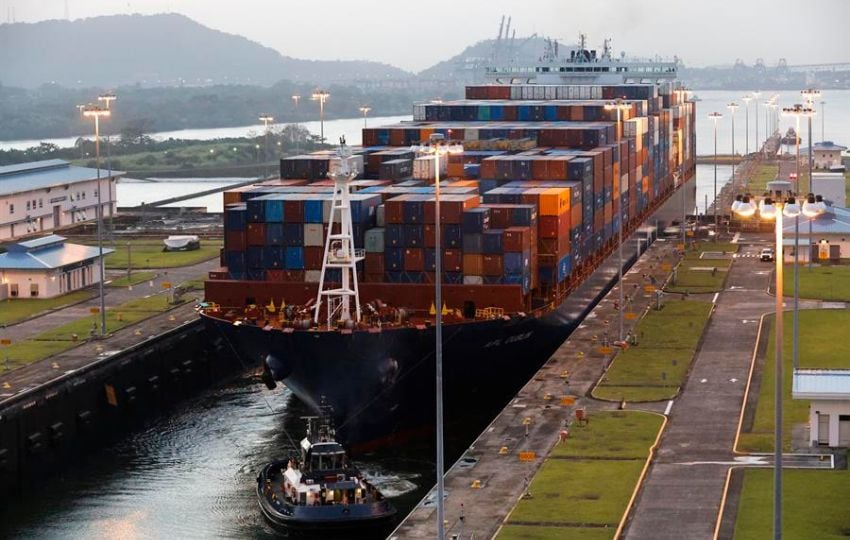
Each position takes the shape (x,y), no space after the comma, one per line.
(339,248)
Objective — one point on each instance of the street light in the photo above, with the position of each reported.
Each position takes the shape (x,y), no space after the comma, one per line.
(365,110)
(439,147)
(810,95)
(266,120)
(715,116)
(296,98)
(619,105)
(746,99)
(732,108)
(108,98)
(822,120)
(770,209)
(756,96)
(95,112)
(321,96)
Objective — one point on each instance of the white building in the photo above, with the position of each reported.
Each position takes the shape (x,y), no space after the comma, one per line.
(47,267)
(48,195)
(826,154)
(830,239)
(829,410)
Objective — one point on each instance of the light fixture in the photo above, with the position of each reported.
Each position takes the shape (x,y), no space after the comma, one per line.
(810,208)
(791,208)
(737,204)
(767,210)
(746,208)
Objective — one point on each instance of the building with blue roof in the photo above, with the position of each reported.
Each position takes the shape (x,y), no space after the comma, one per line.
(828,392)
(830,238)
(48,266)
(48,195)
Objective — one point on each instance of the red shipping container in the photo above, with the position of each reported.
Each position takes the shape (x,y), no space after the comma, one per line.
(375,263)
(452,260)
(235,241)
(452,208)
(394,209)
(557,247)
(256,234)
(293,211)
(516,239)
(293,275)
(374,278)
(396,137)
(275,275)
(492,265)
(313,256)
(510,112)
(488,169)
(414,260)
(500,216)
(575,216)
(554,226)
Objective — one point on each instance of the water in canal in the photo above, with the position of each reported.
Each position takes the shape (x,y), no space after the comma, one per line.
(191,474)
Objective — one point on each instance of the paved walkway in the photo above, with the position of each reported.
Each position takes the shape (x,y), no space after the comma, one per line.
(681,497)
(113,296)
(573,370)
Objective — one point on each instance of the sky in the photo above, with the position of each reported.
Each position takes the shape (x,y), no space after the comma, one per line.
(415,35)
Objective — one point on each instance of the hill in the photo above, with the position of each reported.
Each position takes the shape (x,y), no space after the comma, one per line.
(161,50)
(466,66)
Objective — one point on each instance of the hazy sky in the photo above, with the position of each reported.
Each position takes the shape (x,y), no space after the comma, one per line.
(413,35)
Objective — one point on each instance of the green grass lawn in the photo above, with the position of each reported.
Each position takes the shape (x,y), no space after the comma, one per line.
(15,310)
(61,338)
(764,173)
(135,279)
(824,341)
(689,280)
(814,505)
(520,532)
(654,370)
(583,488)
(821,282)
(146,253)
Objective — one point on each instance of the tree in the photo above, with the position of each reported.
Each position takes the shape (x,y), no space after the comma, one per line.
(135,132)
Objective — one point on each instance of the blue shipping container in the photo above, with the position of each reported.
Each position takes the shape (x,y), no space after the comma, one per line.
(273,210)
(294,258)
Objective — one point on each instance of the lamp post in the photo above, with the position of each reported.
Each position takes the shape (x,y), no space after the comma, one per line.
(321,96)
(108,98)
(756,114)
(296,99)
(266,120)
(822,120)
(365,110)
(438,147)
(810,95)
(746,99)
(732,108)
(619,105)
(95,112)
(715,116)
(769,210)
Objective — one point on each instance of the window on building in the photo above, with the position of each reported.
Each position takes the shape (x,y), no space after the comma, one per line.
(13,290)
(41,203)
(28,206)
(33,289)
(12,209)
(84,195)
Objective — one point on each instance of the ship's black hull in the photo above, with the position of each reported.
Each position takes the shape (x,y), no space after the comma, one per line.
(381,385)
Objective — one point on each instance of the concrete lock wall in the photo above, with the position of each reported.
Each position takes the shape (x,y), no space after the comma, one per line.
(43,430)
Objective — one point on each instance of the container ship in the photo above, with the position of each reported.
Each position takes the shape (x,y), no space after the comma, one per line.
(328,272)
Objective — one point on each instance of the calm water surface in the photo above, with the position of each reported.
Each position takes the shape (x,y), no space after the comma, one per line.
(192,474)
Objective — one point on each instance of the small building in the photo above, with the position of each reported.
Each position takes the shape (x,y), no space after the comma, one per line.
(47,195)
(827,154)
(828,391)
(47,267)
(830,239)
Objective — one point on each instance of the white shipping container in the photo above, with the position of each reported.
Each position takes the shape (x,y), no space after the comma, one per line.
(314,235)
(596,92)
(473,280)
(516,92)
(550,92)
(312,276)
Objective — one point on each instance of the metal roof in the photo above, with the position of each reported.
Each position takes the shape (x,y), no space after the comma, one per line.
(836,220)
(25,177)
(830,384)
(47,253)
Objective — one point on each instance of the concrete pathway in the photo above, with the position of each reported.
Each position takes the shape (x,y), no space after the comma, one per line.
(680,498)
(113,296)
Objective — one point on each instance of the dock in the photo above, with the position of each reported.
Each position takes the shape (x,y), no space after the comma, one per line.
(483,486)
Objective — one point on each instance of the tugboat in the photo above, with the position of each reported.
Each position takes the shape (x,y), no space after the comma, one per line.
(321,489)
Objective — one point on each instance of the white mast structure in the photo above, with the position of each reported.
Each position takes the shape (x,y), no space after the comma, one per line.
(339,247)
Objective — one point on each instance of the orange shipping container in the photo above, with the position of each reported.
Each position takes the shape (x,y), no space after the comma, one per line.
(554,201)
(473,265)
